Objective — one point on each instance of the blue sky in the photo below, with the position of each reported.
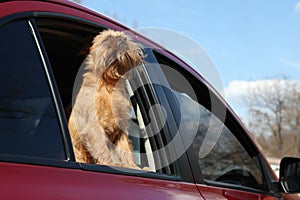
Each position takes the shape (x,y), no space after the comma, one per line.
(248,40)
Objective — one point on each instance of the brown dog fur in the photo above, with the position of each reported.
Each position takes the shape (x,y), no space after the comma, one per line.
(100,114)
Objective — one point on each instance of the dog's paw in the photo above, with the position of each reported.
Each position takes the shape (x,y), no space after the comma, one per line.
(147,169)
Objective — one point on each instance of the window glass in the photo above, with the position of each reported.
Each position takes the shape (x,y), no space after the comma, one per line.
(221,157)
(28,122)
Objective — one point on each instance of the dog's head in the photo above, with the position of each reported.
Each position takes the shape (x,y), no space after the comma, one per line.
(112,54)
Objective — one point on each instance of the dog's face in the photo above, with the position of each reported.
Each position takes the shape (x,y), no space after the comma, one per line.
(113,54)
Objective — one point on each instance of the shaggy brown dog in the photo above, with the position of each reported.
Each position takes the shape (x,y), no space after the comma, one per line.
(100,114)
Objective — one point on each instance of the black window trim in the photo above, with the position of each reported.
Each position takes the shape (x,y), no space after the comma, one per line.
(20,159)
(54,91)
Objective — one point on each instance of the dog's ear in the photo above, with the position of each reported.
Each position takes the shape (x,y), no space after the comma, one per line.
(112,54)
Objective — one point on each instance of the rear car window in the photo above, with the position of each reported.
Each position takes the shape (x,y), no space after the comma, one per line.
(28,121)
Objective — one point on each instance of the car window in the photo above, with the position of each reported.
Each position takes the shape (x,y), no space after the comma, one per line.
(67,44)
(28,121)
(220,155)
(226,160)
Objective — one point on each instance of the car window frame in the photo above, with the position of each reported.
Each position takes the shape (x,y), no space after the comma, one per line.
(54,91)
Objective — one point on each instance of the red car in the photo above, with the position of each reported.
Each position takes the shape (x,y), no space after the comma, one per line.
(194,146)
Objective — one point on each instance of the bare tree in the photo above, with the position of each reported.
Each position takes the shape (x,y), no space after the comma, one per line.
(293,116)
(274,116)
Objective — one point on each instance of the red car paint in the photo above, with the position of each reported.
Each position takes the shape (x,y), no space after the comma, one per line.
(19,181)
(210,193)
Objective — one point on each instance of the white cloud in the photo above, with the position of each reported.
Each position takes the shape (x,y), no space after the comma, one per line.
(237,90)
(297,7)
(235,96)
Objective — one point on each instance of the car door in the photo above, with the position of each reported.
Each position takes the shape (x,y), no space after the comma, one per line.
(225,160)
(60,42)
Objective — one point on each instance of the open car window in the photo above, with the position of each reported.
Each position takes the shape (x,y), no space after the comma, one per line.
(67,45)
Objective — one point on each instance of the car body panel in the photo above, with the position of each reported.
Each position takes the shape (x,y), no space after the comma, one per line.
(212,192)
(23,181)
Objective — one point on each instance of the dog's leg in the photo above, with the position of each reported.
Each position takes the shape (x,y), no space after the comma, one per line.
(124,151)
(98,145)
(81,153)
